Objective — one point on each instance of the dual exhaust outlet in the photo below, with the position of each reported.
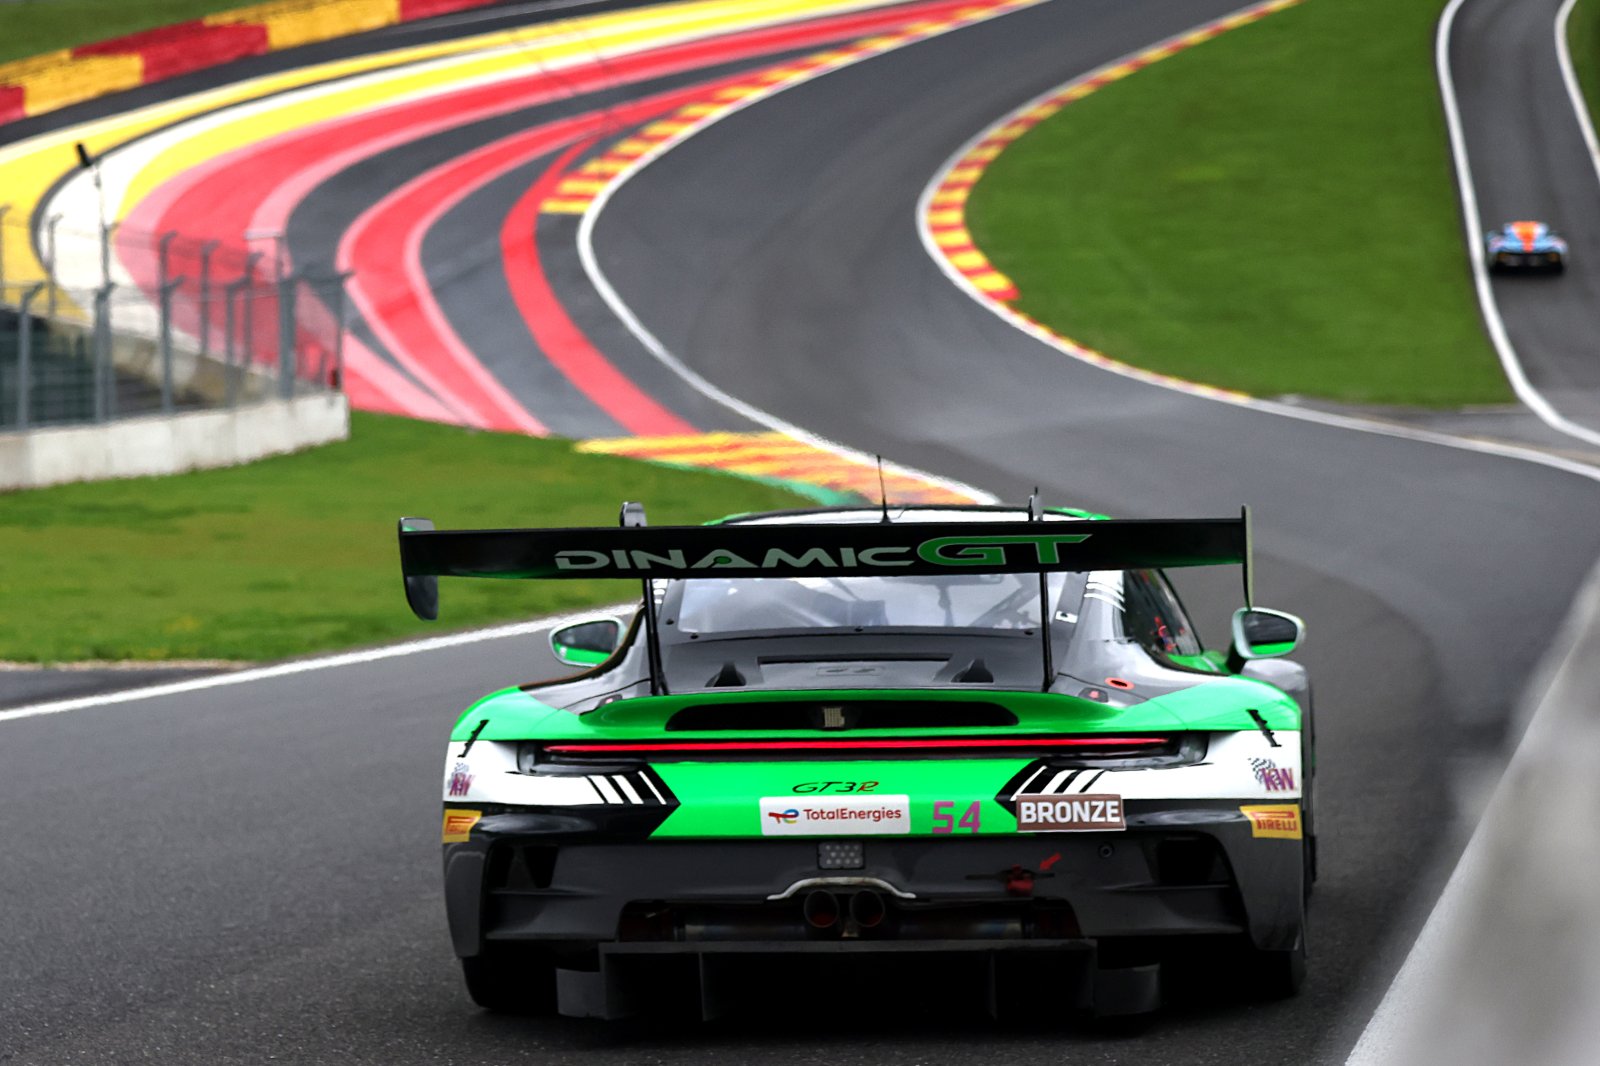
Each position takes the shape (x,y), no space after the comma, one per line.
(864,909)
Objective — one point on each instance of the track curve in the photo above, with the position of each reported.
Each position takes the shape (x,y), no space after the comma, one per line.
(1527,158)
(805,291)
(273,880)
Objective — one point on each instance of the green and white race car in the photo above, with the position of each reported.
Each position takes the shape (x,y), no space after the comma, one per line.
(984,737)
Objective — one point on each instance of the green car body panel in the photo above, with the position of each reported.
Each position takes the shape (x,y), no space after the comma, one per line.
(1215,705)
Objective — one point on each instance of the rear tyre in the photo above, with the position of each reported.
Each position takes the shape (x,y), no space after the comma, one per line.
(1308,794)
(507,979)
(1276,974)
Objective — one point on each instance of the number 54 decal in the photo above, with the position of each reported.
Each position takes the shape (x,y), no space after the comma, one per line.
(944,817)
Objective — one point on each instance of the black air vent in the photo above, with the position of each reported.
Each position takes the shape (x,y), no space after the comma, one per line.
(728,677)
(858,714)
(976,673)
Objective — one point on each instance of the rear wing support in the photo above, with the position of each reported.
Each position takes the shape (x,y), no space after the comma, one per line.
(1249,552)
(1036,514)
(632,517)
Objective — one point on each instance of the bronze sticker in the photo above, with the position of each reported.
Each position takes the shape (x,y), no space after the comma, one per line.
(1069,814)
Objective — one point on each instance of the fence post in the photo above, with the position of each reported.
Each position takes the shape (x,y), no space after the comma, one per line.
(50,262)
(106,230)
(286,336)
(229,292)
(105,385)
(249,277)
(166,341)
(205,295)
(5,209)
(25,356)
(340,280)
(162,247)
(230,298)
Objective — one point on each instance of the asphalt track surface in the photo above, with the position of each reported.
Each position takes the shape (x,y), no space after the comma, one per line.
(1529,161)
(250,872)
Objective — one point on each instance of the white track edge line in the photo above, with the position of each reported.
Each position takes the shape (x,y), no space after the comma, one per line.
(303,666)
(1569,77)
(656,348)
(1325,418)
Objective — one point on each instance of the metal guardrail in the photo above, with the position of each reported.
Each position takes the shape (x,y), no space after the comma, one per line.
(136,324)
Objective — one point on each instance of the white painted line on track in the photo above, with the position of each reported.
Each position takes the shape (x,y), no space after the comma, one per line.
(656,348)
(1496,327)
(1569,77)
(305,666)
(1325,418)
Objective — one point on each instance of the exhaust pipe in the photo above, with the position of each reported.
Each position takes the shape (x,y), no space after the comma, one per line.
(867,909)
(821,909)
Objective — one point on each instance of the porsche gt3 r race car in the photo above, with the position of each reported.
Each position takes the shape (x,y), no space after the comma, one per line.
(1529,246)
(979,737)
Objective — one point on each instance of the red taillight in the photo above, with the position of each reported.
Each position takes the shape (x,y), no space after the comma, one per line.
(892,744)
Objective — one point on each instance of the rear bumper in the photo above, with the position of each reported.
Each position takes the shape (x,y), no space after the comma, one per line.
(1181,869)
(1528,261)
(1039,978)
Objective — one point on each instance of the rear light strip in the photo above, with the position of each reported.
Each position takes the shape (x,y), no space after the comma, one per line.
(861,745)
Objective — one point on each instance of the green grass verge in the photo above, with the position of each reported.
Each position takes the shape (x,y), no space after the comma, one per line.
(1583,42)
(1272,211)
(297,554)
(29,27)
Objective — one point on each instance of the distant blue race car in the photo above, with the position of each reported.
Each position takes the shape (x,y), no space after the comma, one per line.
(1526,246)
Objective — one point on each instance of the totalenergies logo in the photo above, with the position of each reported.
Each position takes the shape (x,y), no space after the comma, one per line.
(786,817)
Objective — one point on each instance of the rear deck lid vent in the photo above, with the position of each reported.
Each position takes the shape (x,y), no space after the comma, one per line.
(833,715)
(728,677)
(976,673)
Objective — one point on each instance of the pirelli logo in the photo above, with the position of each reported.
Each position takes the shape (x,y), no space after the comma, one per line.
(458,825)
(1069,814)
(1280,821)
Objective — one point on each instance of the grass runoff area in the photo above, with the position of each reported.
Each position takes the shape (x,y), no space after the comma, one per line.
(30,27)
(298,553)
(1272,211)
(1583,43)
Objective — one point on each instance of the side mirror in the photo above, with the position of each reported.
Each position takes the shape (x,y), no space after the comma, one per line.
(586,643)
(1262,634)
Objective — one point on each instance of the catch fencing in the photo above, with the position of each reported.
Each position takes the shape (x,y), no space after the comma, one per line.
(135,323)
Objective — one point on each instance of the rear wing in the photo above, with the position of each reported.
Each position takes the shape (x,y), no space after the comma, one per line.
(818,549)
